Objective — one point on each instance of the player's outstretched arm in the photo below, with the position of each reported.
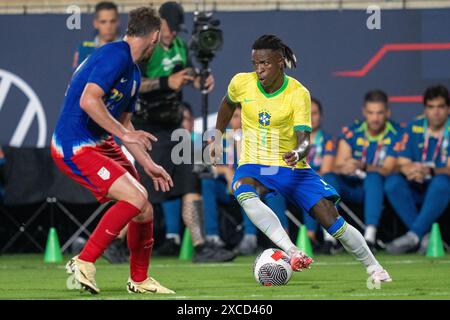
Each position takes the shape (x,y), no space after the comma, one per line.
(91,102)
(161,179)
(301,150)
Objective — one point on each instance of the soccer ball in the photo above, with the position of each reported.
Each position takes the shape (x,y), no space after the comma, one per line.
(272,268)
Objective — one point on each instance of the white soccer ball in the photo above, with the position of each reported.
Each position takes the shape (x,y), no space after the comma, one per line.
(272,268)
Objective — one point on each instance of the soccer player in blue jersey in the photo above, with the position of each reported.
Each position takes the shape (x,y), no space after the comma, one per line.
(424,176)
(276,125)
(98,105)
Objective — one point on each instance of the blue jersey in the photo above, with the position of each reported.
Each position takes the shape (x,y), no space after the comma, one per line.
(414,146)
(372,150)
(86,49)
(322,145)
(111,67)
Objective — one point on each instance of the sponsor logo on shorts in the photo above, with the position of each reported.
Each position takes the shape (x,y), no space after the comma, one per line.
(104,173)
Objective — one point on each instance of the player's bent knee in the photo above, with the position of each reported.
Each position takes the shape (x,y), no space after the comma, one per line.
(141,200)
(146,214)
(127,188)
(325,213)
(136,197)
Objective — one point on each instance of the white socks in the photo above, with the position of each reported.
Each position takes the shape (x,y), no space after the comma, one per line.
(370,234)
(328,237)
(174,236)
(353,241)
(414,238)
(266,221)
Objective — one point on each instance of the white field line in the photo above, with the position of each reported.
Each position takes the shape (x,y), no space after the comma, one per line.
(235,265)
(221,265)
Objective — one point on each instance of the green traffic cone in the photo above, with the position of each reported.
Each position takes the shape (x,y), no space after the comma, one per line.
(435,247)
(52,249)
(187,249)
(303,242)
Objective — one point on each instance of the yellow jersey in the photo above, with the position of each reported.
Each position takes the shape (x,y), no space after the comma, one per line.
(269,120)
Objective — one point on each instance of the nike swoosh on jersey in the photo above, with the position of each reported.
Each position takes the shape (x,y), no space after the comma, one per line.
(123,80)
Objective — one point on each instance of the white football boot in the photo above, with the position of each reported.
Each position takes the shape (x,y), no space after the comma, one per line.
(149,285)
(83,275)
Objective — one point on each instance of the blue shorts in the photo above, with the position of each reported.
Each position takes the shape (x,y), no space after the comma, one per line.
(302,187)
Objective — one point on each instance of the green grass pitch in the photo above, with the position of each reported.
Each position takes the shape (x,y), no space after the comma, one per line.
(331,277)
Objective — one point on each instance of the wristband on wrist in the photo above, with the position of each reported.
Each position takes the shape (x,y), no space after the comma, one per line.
(164,83)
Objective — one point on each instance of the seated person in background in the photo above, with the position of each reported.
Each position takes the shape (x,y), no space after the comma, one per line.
(173,208)
(365,156)
(106,23)
(321,159)
(217,190)
(424,167)
(163,78)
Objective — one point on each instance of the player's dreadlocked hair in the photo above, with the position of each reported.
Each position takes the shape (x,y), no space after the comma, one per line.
(270,41)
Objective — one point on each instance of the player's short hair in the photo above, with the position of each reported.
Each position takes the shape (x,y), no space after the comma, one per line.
(434,92)
(142,21)
(376,95)
(105,5)
(270,41)
(319,104)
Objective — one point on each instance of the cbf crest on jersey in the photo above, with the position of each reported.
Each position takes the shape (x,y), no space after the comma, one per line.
(264,118)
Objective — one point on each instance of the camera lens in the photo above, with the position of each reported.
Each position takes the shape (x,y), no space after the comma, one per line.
(210,40)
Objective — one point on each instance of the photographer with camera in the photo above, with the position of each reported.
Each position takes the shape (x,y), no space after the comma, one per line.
(160,111)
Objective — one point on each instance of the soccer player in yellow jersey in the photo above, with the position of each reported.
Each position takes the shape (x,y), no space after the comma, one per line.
(276,124)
